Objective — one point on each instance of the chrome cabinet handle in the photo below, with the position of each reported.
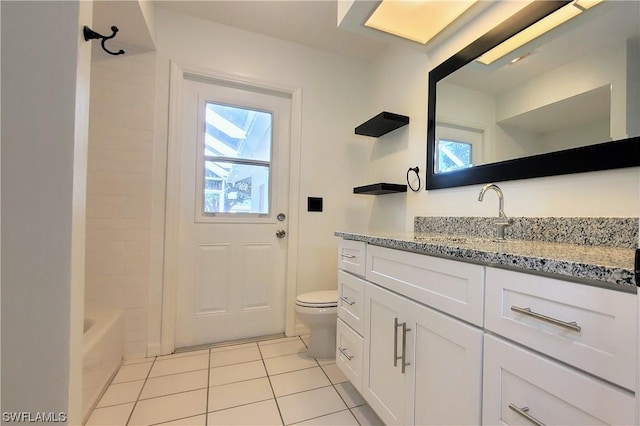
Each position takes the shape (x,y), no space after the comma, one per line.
(405,329)
(347,300)
(395,342)
(348,256)
(524,412)
(527,311)
(402,357)
(343,351)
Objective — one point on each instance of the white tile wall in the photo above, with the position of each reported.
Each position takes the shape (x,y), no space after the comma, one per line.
(119,191)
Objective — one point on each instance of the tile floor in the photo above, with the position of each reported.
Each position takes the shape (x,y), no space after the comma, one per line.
(272,382)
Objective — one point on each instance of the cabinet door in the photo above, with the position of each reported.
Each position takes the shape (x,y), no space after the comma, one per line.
(448,369)
(384,384)
(522,387)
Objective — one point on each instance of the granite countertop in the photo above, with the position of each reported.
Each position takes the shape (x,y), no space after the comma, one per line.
(606,266)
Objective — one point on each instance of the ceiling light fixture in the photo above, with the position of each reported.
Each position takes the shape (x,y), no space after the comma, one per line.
(416,20)
(536,30)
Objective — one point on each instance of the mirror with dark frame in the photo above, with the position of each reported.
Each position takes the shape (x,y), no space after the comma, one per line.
(549,113)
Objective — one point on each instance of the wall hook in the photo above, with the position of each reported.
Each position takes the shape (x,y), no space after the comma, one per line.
(89,34)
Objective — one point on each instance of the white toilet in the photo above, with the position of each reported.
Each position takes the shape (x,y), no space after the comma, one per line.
(318,310)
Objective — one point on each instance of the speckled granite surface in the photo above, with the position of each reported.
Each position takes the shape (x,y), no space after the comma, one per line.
(604,264)
(594,231)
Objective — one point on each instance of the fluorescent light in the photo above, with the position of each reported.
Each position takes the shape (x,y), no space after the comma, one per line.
(536,30)
(416,20)
(586,4)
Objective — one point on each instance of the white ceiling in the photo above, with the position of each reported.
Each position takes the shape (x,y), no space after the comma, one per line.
(311,23)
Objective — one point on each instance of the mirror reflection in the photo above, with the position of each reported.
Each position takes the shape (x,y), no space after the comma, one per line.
(577,84)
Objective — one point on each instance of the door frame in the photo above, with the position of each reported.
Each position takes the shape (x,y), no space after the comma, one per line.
(172,208)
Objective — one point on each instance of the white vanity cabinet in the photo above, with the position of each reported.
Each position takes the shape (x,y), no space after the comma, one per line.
(350,325)
(420,365)
(562,330)
(428,340)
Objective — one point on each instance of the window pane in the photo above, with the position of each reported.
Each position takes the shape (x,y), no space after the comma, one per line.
(453,155)
(236,188)
(234,132)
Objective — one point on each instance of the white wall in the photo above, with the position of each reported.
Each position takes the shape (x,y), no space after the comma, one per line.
(401,86)
(122,115)
(45,81)
(335,99)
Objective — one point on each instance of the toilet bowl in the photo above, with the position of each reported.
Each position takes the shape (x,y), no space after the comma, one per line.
(318,310)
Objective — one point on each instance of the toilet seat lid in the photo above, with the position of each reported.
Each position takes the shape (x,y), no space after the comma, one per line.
(320,299)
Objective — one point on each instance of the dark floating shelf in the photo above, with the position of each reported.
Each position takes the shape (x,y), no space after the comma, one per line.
(380,189)
(381,124)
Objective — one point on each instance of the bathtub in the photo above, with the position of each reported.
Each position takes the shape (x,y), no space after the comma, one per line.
(103,349)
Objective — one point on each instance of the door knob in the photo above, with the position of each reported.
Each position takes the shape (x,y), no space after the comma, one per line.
(280,233)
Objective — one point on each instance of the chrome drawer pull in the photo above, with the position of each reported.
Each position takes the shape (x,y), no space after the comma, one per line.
(347,300)
(343,351)
(395,342)
(402,357)
(527,311)
(348,256)
(524,413)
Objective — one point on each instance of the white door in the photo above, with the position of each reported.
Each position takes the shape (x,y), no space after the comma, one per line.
(234,178)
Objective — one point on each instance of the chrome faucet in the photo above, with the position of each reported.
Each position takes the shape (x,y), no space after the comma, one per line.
(502,221)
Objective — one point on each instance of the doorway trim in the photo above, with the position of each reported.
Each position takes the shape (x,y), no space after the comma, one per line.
(170,266)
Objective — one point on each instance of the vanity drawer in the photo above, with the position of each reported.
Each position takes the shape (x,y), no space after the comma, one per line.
(351,301)
(456,288)
(553,393)
(349,349)
(351,256)
(538,312)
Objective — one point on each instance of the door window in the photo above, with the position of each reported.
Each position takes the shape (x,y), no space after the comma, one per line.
(235,161)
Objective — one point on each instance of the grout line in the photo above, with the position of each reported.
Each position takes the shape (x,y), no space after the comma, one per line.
(238,381)
(340,395)
(231,343)
(323,415)
(273,392)
(241,405)
(170,394)
(140,393)
(174,374)
(293,371)
(206,407)
(175,420)
(234,363)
